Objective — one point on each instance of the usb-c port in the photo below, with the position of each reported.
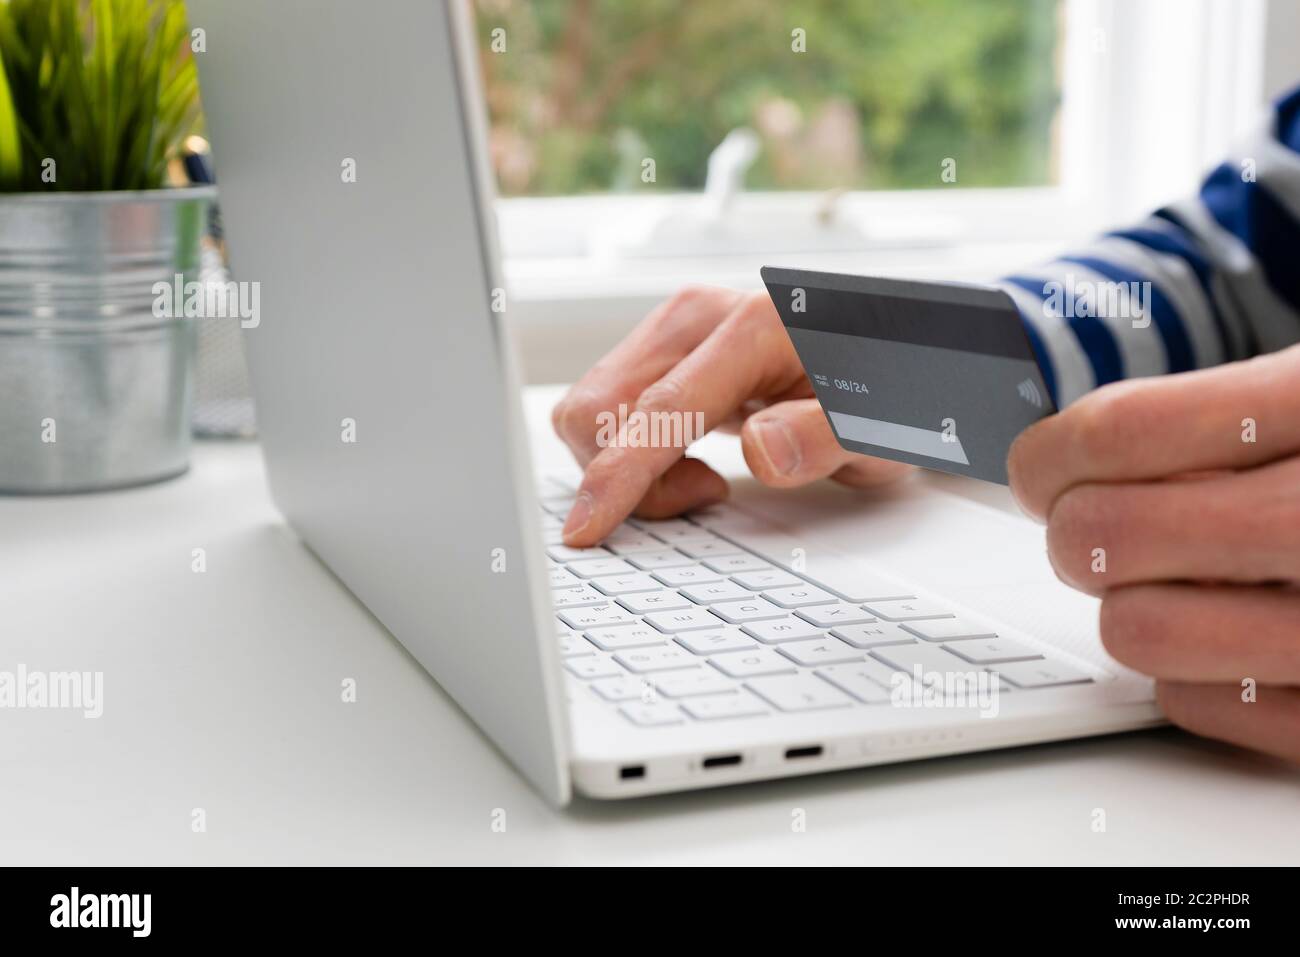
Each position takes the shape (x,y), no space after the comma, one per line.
(811,751)
(630,772)
(722,760)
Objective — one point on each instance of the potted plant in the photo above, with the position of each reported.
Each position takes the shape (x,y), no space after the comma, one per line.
(96,98)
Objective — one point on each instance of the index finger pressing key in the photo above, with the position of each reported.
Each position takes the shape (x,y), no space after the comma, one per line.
(745,356)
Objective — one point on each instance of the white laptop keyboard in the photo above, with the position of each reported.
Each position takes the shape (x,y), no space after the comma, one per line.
(670,622)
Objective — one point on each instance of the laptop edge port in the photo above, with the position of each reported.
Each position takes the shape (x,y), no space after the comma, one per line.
(809,751)
(722,761)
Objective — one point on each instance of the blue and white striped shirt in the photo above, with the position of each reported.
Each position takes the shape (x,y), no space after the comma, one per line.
(1223,269)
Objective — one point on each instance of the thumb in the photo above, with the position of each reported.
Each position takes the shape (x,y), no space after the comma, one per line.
(791,444)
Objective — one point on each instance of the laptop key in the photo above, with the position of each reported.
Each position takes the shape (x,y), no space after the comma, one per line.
(949,629)
(563,553)
(592,567)
(560,578)
(596,616)
(572,645)
(625,584)
(799,693)
(711,642)
(931,659)
(685,619)
(887,676)
(873,635)
(906,609)
(624,688)
(715,546)
(820,651)
(859,680)
(661,600)
(596,666)
(736,705)
(799,596)
(687,684)
(650,524)
(828,616)
(626,540)
(762,581)
(687,575)
(652,714)
(782,629)
(628,549)
(664,558)
(1040,674)
(619,637)
(576,596)
(675,531)
(714,592)
(731,564)
(843,579)
(645,660)
(684,535)
(993,651)
(749,664)
(740,612)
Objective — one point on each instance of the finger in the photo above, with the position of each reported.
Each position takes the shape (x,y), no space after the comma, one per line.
(1205,633)
(1241,527)
(1270,723)
(657,344)
(791,444)
(1233,416)
(687,484)
(733,423)
(748,354)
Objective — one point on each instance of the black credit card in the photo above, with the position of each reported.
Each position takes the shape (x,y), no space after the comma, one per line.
(936,374)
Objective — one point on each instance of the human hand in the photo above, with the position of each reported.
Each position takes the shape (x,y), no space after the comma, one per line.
(726,356)
(1177,500)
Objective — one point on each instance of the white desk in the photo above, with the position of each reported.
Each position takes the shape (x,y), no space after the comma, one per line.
(222,692)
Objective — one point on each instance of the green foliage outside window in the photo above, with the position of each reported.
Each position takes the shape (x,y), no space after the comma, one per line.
(885,91)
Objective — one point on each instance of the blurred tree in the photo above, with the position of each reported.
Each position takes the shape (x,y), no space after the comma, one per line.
(885,92)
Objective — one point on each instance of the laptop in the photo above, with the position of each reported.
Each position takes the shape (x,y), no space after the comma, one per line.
(740,643)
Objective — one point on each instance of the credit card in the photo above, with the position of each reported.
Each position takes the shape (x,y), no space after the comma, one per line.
(936,374)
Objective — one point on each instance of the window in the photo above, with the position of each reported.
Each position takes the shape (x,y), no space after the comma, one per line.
(1060,117)
(614,96)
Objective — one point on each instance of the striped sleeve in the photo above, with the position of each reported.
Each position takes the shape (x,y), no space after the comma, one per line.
(1210,279)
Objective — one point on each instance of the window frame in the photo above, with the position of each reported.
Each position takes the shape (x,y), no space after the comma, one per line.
(1131,134)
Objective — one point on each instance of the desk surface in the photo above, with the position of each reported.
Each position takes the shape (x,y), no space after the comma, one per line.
(222,693)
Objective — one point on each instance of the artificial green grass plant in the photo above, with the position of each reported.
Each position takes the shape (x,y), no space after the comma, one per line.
(94,94)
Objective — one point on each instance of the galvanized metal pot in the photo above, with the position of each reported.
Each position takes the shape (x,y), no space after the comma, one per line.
(95,389)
